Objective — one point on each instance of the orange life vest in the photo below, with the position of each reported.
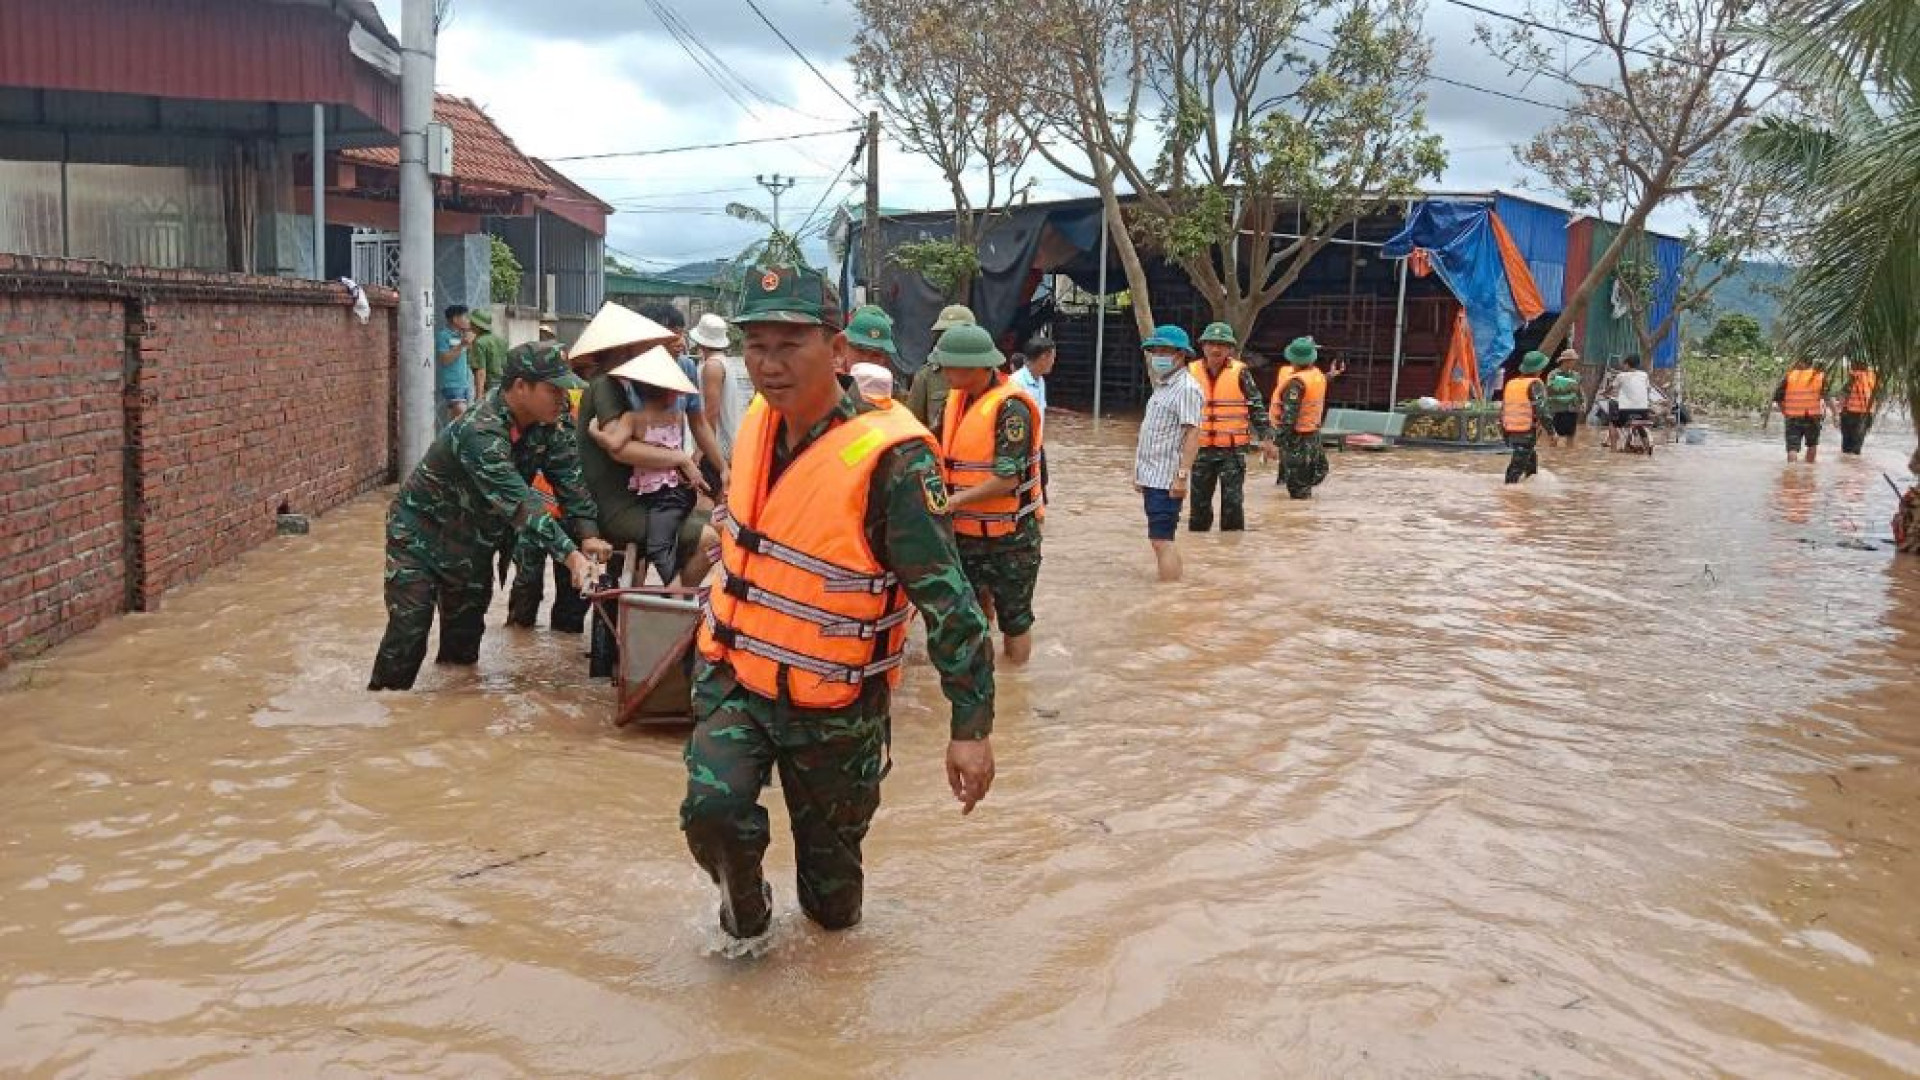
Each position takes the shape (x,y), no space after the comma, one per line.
(1279,388)
(1860,385)
(968,433)
(1803,393)
(545,490)
(802,604)
(1517,416)
(1313,403)
(1224,421)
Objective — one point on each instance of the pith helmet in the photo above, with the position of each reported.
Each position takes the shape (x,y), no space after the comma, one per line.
(967,346)
(1219,334)
(1303,352)
(953,315)
(1533,363)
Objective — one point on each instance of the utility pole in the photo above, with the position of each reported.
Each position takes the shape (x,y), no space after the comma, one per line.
(414,364)
(776,185)
(870,220)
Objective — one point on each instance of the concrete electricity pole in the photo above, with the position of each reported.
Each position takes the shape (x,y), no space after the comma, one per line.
(414,364)
(870,223)
(776,185)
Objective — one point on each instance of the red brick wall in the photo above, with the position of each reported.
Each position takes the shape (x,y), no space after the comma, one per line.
(254,405)
(61,435)
(243,394)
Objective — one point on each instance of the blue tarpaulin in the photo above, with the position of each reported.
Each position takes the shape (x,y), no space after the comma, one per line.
(1467,256)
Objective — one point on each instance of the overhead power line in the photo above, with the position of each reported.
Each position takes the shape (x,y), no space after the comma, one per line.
(702,146)
(1604,43)
(795,50)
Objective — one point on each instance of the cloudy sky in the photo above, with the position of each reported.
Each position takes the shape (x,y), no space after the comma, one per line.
(567,78)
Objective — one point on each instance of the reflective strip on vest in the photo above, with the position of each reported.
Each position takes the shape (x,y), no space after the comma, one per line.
(1516,406)
(803,609)
(1224,420)
(1860,386)
(969,432)
(1803,393)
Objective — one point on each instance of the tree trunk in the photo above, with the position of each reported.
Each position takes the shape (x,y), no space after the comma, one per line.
(1609,259)
(1121,238)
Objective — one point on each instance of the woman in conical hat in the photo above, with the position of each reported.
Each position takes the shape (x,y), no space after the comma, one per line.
(651,436)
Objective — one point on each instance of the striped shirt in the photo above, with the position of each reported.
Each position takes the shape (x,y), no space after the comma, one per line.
(1175,406)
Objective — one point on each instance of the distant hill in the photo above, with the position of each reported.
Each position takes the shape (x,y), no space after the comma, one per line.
(1756,289)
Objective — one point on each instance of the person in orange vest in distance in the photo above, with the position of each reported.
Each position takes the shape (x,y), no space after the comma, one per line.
(834,530)
(1801,399)
(1523,412)
(990,444)
(1855,405)
(1302,398)
(1235,418)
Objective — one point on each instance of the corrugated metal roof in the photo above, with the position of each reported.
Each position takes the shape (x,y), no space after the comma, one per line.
(482,153)
(207,50)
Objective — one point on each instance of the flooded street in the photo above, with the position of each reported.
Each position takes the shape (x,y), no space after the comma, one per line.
(1612,775)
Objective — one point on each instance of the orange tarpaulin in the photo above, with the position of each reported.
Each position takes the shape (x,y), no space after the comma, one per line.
(1526,294)
(1459,375)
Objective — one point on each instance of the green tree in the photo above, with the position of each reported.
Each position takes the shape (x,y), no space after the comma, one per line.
(1858,161)
(506,273)
(1734,334)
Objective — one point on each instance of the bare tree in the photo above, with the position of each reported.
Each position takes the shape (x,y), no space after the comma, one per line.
(918,60)
(1662,86)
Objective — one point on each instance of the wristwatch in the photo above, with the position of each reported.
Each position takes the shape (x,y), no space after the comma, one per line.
(1181,475)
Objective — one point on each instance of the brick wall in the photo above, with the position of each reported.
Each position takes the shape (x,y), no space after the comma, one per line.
(153,423)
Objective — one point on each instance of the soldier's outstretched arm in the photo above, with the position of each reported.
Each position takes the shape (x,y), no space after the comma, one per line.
(915,541)
(488,457)
(570,485)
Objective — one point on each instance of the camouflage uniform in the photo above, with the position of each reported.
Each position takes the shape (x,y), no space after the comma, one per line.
(1525,461)
(1226,466)
(469,497)
(1003,569)
(1303,461)
(530,562)
(831,761)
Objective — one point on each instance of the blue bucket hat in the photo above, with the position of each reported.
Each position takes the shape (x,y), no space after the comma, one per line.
(1169,337)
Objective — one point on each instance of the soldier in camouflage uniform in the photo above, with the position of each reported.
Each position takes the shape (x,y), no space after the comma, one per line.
(927,397)
(468,496)
(830,760)
(1225,466)
(1303,461)
(1523,413)
(530,561)
(1003,569)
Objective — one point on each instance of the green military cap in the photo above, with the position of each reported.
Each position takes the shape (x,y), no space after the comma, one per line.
(789,295)
(1533,363)
(481,319)
(1303,352)
(953,315)
(967,346)
(1219,333)
(541,361)
(871,329)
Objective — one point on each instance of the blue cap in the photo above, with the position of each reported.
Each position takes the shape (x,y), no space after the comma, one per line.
(1169,337)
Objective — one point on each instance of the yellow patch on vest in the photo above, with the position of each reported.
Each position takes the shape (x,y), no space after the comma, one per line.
(859,448)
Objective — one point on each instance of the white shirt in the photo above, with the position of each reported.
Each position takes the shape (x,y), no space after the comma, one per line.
(1631,390)
(736,393)
(1034,385)
(1176,404)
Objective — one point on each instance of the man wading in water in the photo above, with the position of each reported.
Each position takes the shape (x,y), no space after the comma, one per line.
(834,524)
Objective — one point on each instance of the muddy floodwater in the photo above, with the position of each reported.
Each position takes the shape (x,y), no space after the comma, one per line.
(1610,776)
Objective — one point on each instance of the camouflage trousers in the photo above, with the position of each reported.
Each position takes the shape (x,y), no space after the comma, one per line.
(530,562)
(431,566)
(830,766)
(1226,468)
(1003,576)
(1303,463)
(1525,460)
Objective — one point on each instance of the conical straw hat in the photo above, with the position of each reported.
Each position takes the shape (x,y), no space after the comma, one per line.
(615,326)
(655,367)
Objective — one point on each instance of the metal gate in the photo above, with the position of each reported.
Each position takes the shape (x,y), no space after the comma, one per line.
(376,258)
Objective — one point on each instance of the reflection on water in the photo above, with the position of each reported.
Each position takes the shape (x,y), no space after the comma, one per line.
(1611,774)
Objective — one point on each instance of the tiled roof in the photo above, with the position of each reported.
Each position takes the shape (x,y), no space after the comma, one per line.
(482,153)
